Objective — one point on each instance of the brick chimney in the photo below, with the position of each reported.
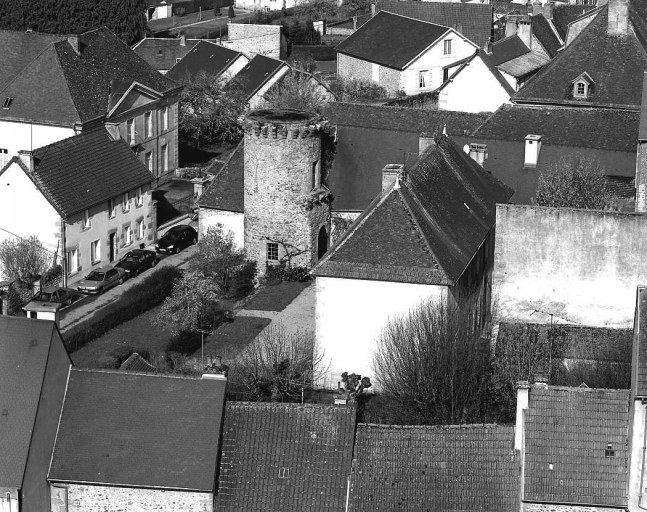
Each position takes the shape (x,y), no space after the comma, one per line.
(618,18)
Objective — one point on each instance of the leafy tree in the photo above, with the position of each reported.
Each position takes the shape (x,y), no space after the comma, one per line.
(24,258)
(316,9)
(350,89)
(358,6)
(209,111)
(433,366)
(575,182)
(299,91)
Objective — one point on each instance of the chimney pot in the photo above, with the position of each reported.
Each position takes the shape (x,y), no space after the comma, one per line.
(182,40)
(74,43)
(424,141)
(372,10)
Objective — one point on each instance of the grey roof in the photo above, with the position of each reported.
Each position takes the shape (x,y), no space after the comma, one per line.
(525,64)
(255,74)
(162,53)
(642,128)
(24,351)
(542,30)
(204,57)
(425,230)
(227,188)
(474,21)
(142,430)
(639,359)
(507,49)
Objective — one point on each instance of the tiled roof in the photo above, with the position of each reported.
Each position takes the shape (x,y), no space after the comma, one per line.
(206,57)
(507,49)
(129,429)
(567,454)
(255,74)
(565,14)
(370,137)
(542,30)
(524,64)
(434,469)
(63,87)
(427,229)
(642,129)
(161,53)
(227,188)
(407,39)
(639,359)
(24,349)
(474,21)
(87,169)
(616,65)
(280,456)
(601,129)
(136,363)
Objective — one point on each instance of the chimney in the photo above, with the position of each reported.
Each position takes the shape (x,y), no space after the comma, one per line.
(510,26)
(478,153)
(390,175)
(74,43)
(113,130)
(182,40)
(618,18)
(425,141)
(523,392)
(524,31)
(372,10)
(27,158)
(354,23)
(531,154)
(546,10)
(487,48)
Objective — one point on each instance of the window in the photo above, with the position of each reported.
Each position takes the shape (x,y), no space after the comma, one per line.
(4,157)
(165,157)
(445,74)
(73,261)
(609,451)
(148,161)
(125,202)
(139,200)
(447,47)
(581,90)
(112,208)
(284,473)
(95,251)
(128,235)
(86,219)
(140,229)
(316,177)
(424,79)
(165,118)
(148,124)
(130,129)
(272,251)
(7,103)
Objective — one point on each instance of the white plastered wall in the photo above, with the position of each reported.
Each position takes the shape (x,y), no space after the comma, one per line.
(231,221)
(16,136)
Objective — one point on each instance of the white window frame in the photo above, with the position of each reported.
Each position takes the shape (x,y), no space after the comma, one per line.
(86,221)
(165,157)
(148,124)
(128,235)
(424,79)
(576,93)
(125,202)
(148,161)
(447,47)
(73,258)
(140,229)
(165,117)
(95,251)
(130,131)
(139,197)
(112,208)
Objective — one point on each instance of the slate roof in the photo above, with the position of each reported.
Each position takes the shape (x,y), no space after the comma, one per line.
(255,74)
(280,456)
(567,432)
(616,65)
(62,87)
(370,137)
(227,188)
(435,469)
(602,129)
(525,64)
(136,363)
(542,30)
(507,49)
(425,230)
(24,350)
(162,53)
(642,129)
(639,359)
(474,21)
(565,14)
(407,39)
(206,57)
(85,170)
(121,428)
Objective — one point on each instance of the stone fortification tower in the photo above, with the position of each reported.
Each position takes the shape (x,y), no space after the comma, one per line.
(287,210)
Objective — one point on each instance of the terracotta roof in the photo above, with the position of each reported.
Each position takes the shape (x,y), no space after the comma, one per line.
(162,54)
(121,428)
(227,188)
(280,456)
(565,14)
(602,129)
(524,64)
(85,170)
(474,21)
(24,351)
(507,49)
(426,229)
(576,446)
(61,86)
(255,74)
(206,57)
(639,359)
(542,30)
(616,64)
(407,39)
(435,469)
(370,137)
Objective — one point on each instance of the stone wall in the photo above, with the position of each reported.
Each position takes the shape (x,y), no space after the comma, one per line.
(255,39)
(97,498)
(542,507)
(281,162)
(352,68)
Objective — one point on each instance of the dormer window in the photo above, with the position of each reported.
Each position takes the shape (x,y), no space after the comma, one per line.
(582,86)
(7,103)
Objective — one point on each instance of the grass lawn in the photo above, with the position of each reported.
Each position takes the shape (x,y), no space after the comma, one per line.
(276,297)
(231,337)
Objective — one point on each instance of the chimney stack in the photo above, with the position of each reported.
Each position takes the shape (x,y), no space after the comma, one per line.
(424,141)
(618,18)
(390,175)
(533,147)
(74,43)
(27,158)
(372,10)
(524,31)
(182,40)
(523,392)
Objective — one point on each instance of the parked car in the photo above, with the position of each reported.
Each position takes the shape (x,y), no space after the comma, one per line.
(176,239)
(98,281)
(53,298)
(137,261)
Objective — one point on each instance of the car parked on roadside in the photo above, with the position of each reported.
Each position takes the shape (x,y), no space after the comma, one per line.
(102,279)
(176,239)
(55,298)
(136,261)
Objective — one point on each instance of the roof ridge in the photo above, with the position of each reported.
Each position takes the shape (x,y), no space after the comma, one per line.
(414,19)
(137,374)
(438,426)
(24,69)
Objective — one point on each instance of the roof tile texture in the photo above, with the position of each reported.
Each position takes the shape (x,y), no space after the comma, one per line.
(206,57)
(226,190)
(639,370)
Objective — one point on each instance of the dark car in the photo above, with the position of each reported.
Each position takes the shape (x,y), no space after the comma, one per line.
(137,261)
(176,239)
(98,281)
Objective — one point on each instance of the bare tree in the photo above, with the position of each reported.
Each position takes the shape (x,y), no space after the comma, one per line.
(24,258)
(433,366)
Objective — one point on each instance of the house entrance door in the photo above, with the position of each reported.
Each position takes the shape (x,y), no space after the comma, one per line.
(112,244)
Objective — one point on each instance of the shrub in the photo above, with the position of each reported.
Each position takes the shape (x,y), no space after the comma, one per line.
(138,299)
(242,282)
(348,89)
(284,272)
(52,277)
